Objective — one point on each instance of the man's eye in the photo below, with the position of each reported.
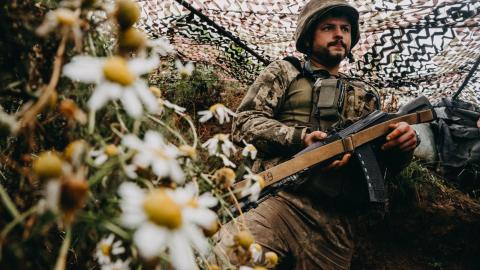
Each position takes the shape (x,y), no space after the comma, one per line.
(346,29)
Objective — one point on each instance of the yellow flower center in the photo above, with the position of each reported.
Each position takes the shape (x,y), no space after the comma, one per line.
(244,239)
(127,13)
(132,39)
(111,150)
(162,210)
(193,203)
(215,107)
(74,149)
(250,148)
(156,91)
(116,70)
(106,249)
(225,176)
(65,16)
(221,137)
(188,151)
(271,258)
(48,165)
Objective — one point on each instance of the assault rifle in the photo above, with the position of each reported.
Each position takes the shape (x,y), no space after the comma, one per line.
(357,139)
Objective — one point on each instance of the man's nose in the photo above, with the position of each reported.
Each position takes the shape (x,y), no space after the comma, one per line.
(338,32)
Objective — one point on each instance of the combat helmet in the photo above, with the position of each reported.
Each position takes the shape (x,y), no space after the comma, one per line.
(313,11)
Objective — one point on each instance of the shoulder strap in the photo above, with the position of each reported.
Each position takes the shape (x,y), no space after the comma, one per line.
(298,66)
(295,62)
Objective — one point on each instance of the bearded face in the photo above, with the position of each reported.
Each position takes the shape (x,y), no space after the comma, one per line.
(331,41)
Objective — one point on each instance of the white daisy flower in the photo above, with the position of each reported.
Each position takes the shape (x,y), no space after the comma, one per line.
(256,252)
(249,150)
(166,219)
(168,104)
(219,111)
(106,247)
(161,46)
(102,155)
(255,184)
(116,78)
(62,17)
(226,161)
(154,152)
(117,265)
(219,142)
(184,70)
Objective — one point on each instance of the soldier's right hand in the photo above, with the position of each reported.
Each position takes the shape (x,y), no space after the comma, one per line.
(316,136)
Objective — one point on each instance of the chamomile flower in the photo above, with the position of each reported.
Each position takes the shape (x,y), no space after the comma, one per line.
(226,162)
(249,150)
(161,46)
(62,17)
(219,144)
(116,78)
(165,103)
(220,112)
(184,70)
(154,152)
(168,220)
(106,248)
(256,252)
(103,154)
(255,184)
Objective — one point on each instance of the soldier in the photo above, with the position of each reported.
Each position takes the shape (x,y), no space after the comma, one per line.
(310,227)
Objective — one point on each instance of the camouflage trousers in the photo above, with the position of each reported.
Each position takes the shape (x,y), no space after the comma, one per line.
(304,234)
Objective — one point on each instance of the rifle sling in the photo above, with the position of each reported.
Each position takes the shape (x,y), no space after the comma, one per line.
(337,147)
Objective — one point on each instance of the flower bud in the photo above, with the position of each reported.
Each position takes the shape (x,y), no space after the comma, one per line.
(73,193)
(127,13)
(48,165)
(132,39)
(224,177)
(271,258)
(111,150)
(75,150)
(244,239)
(209,232)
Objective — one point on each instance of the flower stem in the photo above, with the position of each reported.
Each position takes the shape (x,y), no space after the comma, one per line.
(178,135)
(47,91)
(91,122)
(238,207)
(8,202)
(62,256)
(17,220)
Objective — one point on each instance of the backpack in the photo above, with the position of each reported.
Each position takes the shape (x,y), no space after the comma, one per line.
(457,139)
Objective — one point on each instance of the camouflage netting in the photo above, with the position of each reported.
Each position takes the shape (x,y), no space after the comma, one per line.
(407,47)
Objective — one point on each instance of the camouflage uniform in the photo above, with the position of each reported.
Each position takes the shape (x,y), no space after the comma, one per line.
(309,227)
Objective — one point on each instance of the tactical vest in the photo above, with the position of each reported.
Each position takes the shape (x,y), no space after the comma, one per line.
(299,103)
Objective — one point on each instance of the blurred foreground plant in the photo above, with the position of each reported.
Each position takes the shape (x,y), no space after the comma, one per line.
(97,169)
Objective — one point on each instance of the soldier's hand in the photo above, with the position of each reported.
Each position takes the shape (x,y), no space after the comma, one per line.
(478,123)
(316,136)
(402,138)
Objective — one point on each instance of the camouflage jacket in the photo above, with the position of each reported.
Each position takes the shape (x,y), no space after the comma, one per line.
(264,119)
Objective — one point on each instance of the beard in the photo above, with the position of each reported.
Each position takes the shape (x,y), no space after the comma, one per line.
(328,59)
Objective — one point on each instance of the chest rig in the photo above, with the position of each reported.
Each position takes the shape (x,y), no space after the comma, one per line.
(327,114)
(328,96)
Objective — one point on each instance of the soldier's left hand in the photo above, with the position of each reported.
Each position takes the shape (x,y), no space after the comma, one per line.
(402,138)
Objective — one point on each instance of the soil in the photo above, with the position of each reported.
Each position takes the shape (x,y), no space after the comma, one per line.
(428,226)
